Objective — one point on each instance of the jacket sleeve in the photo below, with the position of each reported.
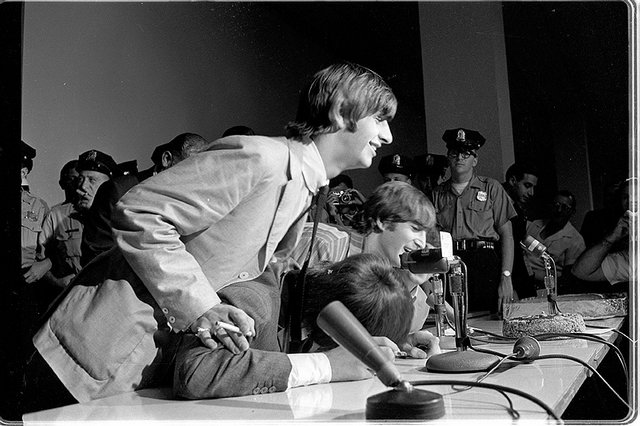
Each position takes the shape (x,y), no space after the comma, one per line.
(204,373)
(186,199)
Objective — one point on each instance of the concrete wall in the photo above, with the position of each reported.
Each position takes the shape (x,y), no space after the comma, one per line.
(465,78)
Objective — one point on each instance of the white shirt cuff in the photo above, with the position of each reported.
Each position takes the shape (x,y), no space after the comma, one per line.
(309,369)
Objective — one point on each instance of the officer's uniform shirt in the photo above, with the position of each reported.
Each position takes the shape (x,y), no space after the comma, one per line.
(34,211)
(482,208)
(62,236)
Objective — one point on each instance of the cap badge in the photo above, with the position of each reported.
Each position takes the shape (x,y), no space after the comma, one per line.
(91,156)
(481,196)
(461,136)
(396,160)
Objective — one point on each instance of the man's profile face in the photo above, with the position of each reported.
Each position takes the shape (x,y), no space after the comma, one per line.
(360,147)
(396,177)
(88,183)
(400,237)
(524,189)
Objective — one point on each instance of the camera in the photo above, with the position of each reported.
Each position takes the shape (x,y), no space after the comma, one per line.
(345,198)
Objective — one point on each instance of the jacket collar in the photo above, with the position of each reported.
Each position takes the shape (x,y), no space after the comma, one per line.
(309,161)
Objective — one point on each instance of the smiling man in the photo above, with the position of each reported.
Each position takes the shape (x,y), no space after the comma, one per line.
(397,218)
(220,217)
(476,210)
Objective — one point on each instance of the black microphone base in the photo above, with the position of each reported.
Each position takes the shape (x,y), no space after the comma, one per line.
(416,404)
(461,362)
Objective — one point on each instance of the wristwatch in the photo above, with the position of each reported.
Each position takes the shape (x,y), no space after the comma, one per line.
(506,273)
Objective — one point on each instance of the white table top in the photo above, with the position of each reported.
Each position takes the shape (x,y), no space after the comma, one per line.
(554,381)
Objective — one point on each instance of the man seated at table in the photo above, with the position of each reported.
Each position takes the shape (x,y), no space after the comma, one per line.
(366,284)
(396,218)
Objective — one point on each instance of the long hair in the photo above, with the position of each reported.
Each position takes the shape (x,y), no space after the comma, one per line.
(357,91)
(396,202)
(369,287)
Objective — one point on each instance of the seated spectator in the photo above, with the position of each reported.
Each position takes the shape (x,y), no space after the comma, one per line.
(564,243)
(430,171)
(600,222)
(606,270)
(396,218)
(97,237)
(396,167)
(366,284)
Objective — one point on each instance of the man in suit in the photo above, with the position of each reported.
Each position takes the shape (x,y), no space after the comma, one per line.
(366,284)
(220,217)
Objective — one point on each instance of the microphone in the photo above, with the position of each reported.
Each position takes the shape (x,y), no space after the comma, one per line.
(526,348)
(401,402)
(534,246)
(340,324)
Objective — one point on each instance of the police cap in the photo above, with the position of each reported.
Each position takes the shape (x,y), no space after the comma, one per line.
(98,162)
(463,139)
(396,163)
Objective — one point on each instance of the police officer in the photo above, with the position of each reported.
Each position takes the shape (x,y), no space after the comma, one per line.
(33,264)
(63,226)
(396,167)
(476,210)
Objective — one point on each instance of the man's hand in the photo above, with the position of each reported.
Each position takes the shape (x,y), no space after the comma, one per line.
(505,292)
(419,342)
(206,329)
(621,230)
(37,271)
(346,367)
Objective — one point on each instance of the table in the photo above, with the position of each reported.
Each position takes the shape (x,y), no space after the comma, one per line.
(554,381)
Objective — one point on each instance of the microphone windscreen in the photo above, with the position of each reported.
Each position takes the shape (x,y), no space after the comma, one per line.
(340,324)
(526,347)
(532,245)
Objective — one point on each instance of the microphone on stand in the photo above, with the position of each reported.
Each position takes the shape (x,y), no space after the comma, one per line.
(535,247)
(403,401)
(426,261)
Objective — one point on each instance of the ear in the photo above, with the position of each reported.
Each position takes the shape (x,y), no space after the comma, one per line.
(167,159)
(513,181)
(381,225)
(475,161)
(335,113)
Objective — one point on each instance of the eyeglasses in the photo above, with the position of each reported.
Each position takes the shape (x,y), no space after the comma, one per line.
(463,154)
(561,206)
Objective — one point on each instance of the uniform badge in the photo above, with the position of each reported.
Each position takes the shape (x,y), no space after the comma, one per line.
(481,196)
(461,136)
(32,216)
(396,160)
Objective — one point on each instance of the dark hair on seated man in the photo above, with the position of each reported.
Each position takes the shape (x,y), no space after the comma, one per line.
(369,287)
(395,202)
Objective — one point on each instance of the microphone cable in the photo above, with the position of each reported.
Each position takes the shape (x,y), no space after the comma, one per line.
(492,386)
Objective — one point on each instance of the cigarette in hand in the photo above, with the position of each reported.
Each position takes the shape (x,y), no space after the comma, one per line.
(228,327)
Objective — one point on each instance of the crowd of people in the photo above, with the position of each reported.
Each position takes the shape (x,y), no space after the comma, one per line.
(124,283)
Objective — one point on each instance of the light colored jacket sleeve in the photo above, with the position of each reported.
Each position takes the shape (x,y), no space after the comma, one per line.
(152,219)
